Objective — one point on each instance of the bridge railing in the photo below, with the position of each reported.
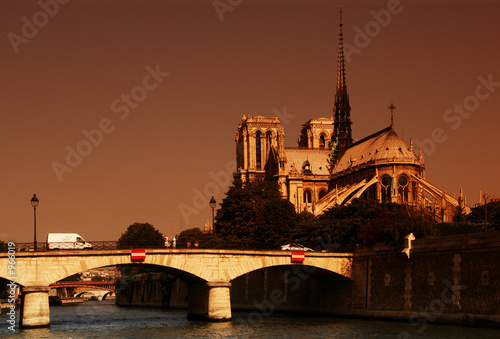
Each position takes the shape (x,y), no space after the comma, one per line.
(113,245)
(42,246)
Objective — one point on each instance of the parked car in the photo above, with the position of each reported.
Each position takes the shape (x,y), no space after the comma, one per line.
(295,247)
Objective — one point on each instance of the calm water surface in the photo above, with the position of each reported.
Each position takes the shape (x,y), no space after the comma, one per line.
(102,319)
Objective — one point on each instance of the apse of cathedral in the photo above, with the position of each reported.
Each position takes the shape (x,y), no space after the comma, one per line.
(328,169)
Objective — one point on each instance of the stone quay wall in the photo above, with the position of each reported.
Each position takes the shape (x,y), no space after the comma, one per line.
(453,279)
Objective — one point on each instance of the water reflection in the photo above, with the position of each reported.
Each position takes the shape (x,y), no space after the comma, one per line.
(102,319)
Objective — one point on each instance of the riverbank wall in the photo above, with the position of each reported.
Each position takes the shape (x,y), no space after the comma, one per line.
(453,280)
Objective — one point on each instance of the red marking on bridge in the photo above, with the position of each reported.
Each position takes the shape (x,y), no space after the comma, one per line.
(138,254)
(298,256)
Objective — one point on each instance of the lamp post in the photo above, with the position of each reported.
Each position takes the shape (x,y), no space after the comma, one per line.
(213,203)
(486,211)
(34,203)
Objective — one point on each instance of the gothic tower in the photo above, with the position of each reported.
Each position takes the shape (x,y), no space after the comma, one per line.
(342,135)
(255,139)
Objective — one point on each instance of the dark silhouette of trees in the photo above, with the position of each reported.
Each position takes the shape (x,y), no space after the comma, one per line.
(254,215)
(141,235)
(192,236)
(492,213)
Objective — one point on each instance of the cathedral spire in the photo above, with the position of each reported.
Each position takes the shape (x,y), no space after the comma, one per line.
(342,109)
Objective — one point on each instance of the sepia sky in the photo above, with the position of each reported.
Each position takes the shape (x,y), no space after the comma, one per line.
(123,111)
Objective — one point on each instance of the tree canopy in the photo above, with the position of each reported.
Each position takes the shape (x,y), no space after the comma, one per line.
(489,212)
(192,236)
(254,215)
(141,235)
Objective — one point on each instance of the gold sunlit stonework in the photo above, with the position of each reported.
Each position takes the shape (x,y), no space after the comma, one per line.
(327,169)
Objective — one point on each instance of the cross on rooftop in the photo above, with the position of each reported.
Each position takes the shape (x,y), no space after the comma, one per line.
(392,108)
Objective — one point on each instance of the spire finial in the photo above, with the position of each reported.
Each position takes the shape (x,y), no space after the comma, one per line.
(392,108)
(340,16)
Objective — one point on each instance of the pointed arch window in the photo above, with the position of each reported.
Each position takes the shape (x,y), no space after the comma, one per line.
(269,137)
(386,188)
(322,193)
(307,196)
(403,187)
(306,167)
(322,142)
(258,150)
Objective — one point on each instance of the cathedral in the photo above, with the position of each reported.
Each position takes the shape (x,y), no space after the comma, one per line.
(328,168)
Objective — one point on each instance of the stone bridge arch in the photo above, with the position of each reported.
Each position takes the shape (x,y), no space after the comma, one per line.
(340,264)
(209,272)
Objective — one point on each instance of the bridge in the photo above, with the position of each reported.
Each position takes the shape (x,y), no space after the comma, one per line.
(108,285)
(99,289)
(208,273)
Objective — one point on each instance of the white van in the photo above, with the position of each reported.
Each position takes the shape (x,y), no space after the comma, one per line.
(66,241)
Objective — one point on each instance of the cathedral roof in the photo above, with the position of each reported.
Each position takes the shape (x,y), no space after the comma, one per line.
(317,159)
(380,147)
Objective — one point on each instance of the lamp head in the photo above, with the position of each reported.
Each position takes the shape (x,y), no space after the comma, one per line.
(34,201)
(212,202)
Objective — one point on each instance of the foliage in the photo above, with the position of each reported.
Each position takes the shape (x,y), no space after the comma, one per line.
(459,215)
(141,235)
(254,215)
(275,223)
(99,278)
(192,236)
(124,286)
(3,246)
(167,284)
(491,211)
(3,288)
(74,277)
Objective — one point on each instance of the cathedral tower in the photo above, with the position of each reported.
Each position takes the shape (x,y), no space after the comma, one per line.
(342,135)
(256,137)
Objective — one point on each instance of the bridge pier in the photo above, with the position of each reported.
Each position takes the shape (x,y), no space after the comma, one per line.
(34,307)
(210,301)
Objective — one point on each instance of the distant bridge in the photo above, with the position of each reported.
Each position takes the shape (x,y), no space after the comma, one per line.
(208,273)
(108,285)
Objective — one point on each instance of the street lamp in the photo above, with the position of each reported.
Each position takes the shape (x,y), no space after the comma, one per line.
(34,203)
(213,203)
(486,211)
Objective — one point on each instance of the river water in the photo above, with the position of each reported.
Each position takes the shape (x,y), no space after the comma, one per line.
(102,319)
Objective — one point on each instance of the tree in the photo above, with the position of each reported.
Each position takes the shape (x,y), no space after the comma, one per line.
(459,215)
(74,277)
(492,213)
(254,215)
(98,278)
(193,235)
(275,223)
(141,235)
(367,222)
